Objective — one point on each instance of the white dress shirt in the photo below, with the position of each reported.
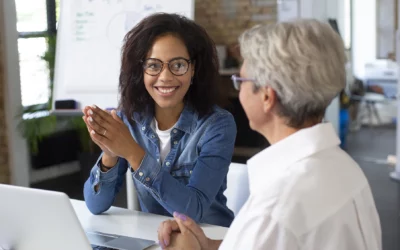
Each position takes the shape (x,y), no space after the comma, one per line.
(306,193)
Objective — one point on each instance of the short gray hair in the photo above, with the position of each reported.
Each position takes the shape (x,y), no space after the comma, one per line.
(303,61)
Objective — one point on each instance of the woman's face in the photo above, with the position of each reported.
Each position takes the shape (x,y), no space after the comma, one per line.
(166,88)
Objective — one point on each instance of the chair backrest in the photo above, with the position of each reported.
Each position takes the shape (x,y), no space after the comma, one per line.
(237,191)
(131,194)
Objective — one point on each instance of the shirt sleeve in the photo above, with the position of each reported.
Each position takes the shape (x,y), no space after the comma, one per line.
(209,172)
(259,232)
(109,184)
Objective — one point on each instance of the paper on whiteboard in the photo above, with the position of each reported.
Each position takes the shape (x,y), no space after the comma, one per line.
(288,10)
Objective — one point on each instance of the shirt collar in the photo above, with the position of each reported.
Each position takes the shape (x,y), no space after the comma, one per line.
(186,121)
(275,159)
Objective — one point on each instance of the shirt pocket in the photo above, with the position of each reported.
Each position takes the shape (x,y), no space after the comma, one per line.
(182,172)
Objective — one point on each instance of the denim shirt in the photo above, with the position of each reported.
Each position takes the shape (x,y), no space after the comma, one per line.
(192,178)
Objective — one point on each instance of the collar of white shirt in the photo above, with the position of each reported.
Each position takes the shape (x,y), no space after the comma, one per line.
(293,148)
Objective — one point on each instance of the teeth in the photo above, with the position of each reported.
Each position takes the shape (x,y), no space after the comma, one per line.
(166,90)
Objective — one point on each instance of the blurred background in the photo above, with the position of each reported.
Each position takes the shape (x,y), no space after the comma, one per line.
(47,151)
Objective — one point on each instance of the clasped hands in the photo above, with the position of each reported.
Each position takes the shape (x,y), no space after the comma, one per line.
(110,133)
(183,233)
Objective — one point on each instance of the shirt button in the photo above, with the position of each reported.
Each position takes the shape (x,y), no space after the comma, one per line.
(152,136)
(175,131)
(147,179)
(143,128)
(167,163)
(191,172)
(140,173)
(173,174)
(175,142)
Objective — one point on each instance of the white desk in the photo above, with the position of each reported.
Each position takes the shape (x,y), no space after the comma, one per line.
(130,223)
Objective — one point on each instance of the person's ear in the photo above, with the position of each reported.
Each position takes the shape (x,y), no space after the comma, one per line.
(269,98)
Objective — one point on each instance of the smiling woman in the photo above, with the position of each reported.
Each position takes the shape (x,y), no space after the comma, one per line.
(168,130)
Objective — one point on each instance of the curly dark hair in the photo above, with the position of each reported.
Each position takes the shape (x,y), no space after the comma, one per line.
(202,93)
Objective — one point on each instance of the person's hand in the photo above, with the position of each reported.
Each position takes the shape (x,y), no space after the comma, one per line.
(169,227)
(110,131)
(183,240)
(105,150)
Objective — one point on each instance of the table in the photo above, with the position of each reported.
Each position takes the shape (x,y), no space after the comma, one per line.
(131,223)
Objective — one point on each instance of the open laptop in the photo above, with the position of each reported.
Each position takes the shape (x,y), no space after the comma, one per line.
(38,219)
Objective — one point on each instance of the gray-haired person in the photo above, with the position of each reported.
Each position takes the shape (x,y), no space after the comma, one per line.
(305,192)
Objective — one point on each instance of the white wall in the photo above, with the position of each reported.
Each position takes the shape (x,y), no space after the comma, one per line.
(323,10)
(19,163)
(385,27)
(364,35)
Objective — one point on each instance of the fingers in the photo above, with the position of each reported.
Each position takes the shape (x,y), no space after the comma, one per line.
(182,227)
(89,128)
(192,226)
(85,110)
(99,115)
(97,127)
(189,223)
(165,231)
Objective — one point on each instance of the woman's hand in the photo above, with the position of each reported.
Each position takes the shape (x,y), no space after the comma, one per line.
(183,240)
(109,132)
(169,228)
(105,150)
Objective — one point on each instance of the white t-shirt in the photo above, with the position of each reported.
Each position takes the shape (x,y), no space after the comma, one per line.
(306,194)
(165,140)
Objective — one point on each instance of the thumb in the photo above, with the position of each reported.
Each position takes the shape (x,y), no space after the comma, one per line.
(179,219)
(115,116)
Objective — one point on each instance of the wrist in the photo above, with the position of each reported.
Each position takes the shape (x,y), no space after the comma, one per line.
(213,244)
(108,161)
(136,156)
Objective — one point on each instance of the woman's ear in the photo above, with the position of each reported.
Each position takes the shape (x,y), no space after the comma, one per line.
(269,98)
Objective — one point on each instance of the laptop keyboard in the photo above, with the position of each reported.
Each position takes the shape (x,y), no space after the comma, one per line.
(95,247)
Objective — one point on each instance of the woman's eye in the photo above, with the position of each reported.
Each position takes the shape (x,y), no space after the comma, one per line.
(153,66)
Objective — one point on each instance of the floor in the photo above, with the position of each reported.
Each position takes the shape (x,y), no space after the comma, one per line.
(368,146)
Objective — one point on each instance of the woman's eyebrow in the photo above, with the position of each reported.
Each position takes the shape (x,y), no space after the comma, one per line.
(178,57)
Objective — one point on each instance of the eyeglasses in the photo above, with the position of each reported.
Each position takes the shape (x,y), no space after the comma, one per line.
(177,66)
(238,80)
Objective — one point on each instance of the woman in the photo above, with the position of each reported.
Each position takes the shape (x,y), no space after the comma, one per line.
(305,192)
(169,133)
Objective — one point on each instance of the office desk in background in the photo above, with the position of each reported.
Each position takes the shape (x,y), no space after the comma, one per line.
(131,223)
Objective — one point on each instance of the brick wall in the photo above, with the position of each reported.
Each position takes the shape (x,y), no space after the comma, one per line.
(225,20)
(4,160)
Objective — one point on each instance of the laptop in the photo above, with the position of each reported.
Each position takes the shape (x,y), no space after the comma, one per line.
(39,219)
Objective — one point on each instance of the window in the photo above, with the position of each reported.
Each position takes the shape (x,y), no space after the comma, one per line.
(36,22)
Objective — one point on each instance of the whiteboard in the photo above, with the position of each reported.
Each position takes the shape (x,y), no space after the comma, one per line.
(89,40)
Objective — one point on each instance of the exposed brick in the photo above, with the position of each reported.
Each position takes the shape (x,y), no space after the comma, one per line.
(225,20)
